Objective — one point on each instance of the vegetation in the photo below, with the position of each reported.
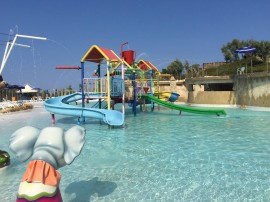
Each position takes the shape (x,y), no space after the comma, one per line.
(181,70)
(61,92)
(24,106)
(256,62)
(230,69)
(228,50)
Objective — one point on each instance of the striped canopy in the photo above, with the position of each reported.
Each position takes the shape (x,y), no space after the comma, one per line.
(246,50)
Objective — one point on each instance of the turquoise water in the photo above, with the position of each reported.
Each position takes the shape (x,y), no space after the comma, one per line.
(158,156)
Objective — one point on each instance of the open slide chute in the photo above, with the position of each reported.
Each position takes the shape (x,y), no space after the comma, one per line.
(194,110)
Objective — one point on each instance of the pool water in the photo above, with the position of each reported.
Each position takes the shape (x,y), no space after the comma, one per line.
(157,156)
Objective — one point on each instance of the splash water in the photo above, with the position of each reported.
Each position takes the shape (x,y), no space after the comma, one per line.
(63,47)
(142,56)
(63,75)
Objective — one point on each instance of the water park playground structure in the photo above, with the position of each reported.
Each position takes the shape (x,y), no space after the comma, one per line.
(125,81)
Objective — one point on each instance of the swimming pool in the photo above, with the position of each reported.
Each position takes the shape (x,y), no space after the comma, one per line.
(158,156)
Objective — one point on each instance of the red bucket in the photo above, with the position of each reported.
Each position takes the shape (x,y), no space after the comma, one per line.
(129,56)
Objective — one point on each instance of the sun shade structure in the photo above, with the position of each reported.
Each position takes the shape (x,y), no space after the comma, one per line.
(97,54)
(15,87)
(28,89)
(246,50)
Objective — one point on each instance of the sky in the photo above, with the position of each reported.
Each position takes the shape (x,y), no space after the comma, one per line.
(158,31)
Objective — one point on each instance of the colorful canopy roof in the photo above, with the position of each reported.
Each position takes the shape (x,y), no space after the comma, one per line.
(97,54)
(148,64)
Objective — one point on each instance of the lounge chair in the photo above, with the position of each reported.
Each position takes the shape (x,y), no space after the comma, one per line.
(241,70)
(9,103)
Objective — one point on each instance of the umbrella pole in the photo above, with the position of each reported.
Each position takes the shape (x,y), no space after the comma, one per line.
(251,65)
(267,63)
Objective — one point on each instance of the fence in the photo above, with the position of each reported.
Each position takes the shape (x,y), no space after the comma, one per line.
(98,87)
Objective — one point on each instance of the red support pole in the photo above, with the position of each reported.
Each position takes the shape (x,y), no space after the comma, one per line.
(68,67)
(53,119)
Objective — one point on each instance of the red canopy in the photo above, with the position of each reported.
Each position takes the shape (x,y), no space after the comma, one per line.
(143,63)
(97,54)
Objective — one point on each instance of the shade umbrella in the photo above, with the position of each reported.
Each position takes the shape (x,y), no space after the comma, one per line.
(245,50)
(37,89)
(19,87)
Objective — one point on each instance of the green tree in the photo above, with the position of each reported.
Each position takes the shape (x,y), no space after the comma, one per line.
(195,70)
(44,94)
(229,49)
(175,69)
(185,69)
(263,49)
(80,87)
(70,88)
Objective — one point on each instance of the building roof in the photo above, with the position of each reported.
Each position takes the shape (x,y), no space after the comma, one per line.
(28,89)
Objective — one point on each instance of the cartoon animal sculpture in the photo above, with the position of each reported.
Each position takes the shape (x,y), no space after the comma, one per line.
(48,149)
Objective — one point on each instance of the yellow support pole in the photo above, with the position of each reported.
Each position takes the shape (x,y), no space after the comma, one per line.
(108,86)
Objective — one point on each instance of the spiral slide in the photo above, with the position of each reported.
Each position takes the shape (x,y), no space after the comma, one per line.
(60,105)
(194,110)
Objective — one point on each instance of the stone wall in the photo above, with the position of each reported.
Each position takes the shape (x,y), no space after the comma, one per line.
(252,90)
(249,90)
(212,97)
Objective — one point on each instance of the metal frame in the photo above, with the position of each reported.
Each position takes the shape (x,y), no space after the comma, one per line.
(10,46)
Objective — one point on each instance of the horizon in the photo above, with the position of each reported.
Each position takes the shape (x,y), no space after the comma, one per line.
(189,31)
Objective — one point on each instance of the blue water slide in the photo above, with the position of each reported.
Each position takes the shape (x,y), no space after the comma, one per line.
(60,105)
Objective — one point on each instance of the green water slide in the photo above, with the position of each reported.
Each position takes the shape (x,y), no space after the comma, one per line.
(182,108)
